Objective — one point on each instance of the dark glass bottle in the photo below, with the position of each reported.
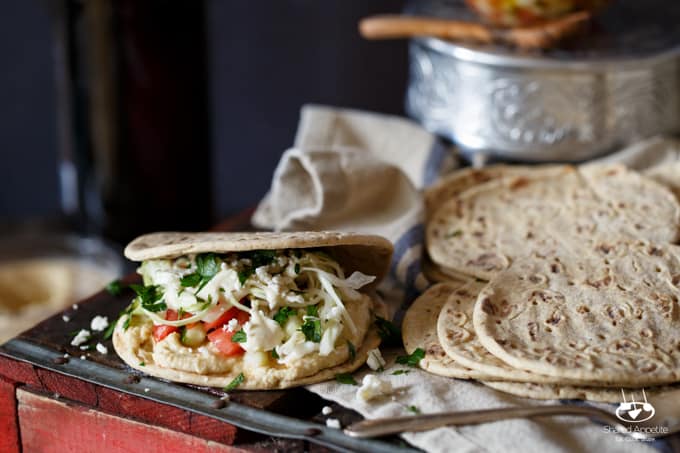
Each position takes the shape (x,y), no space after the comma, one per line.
(133,109)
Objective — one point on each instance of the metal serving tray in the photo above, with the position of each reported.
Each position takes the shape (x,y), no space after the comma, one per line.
(46,343)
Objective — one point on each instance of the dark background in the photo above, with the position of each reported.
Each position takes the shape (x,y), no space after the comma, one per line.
(266,59)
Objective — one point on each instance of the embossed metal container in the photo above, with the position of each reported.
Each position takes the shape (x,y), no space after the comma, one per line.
(564,105)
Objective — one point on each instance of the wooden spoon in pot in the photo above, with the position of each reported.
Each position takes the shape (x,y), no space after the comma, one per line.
(541,36)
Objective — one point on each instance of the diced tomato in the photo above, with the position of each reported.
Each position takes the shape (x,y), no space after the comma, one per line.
(221,338)
(162,331)
(240,315)
(171,315)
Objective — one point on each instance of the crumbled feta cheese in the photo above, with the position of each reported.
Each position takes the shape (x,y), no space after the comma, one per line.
(333,423)
(263,275)
(332,331)
(102,349)
(295,347)
(81,337)
(326,410)
(225,398)
(262,333)
(375,360)
(146,389)
(84,347)
(66,356)
(373,387)
(293,298)
(99,323)
(232,325)
(65,318)
(334,313)
(83,357)
(74,306)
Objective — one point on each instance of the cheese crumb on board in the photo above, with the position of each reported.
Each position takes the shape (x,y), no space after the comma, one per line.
(333,423)
(99,323)
(373,387)
(81,337)
(375,360)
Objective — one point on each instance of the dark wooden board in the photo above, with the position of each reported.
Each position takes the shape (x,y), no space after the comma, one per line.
(55,334)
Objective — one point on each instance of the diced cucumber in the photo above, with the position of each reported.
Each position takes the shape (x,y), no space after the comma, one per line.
(193,336)
(292,325)
(255,359)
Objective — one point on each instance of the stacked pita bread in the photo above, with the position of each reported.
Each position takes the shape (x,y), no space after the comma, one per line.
(556,281)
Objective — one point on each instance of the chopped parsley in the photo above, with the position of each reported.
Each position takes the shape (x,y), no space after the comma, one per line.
(142,364)
(115,288)
(108,333)
(389,333)
(275,354)
(190,280)
(352,350)
(413,409)
(346,378)
(207,266)
(239,337)
(238,380)
(313,310)
(412,359)
(297,268)
(126,323)
(205,304)
(282,316)
(398,372)
(243,274)
(150,297)
(261,257)
(311,327)
(258,258)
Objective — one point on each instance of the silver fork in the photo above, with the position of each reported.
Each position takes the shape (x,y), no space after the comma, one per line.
(394,425)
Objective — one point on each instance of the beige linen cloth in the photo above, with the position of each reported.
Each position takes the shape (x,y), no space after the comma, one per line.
(360,171)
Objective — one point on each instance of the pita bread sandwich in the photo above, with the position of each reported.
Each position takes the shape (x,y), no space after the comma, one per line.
(253,310)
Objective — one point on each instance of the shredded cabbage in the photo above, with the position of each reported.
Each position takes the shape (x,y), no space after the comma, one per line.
(295,279)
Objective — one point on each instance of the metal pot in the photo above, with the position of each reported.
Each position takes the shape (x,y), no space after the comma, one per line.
(563,105)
